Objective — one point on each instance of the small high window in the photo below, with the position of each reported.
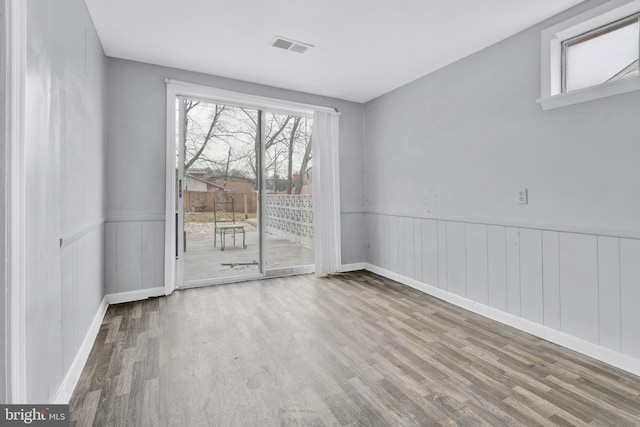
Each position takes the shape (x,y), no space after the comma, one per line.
(602,55)
(591,55)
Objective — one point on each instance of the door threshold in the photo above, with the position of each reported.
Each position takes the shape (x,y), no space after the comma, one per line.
(276,272)
(220,281)
(290,271)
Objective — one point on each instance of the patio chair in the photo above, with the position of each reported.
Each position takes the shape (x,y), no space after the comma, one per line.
(224,219)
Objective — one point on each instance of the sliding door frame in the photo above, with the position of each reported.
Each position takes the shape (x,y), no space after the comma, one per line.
(180,243)
(177,89)
(15,51)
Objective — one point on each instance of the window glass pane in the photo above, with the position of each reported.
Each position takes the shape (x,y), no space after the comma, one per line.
(608,56)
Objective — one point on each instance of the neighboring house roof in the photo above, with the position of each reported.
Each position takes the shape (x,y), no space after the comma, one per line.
(213,184)
(231,178)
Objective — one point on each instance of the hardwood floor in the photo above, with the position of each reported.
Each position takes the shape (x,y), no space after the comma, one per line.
(351,350)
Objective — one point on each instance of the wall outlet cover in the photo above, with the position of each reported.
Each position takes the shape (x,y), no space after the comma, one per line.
(522,196)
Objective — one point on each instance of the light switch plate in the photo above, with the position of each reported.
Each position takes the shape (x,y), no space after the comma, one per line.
(522,196)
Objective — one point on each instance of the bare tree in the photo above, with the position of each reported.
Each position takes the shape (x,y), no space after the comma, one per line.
(199,147)
(222,138)
(292,139)
(304,165)
(273,134)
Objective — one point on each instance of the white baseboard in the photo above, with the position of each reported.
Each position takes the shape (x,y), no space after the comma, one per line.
(344,268)
(73,375)
(613,358)
(595,351)
(137,295)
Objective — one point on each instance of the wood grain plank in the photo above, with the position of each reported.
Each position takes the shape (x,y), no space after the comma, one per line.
(89,407)
(349,349)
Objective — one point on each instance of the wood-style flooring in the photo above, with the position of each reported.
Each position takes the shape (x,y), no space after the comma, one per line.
(354,349)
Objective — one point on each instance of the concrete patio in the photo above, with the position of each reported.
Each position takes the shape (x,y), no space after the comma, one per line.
(204,261)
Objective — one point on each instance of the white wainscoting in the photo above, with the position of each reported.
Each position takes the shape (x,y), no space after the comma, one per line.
(352,227)
(83,304)
(584,285)
(73,372)
(134,253)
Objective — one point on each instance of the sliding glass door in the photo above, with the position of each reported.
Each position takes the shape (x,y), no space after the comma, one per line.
(288,199)
(244,204)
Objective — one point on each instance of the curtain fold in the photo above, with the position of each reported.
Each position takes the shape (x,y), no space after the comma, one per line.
(326,193)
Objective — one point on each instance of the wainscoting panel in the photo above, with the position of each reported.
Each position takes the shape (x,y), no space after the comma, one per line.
(153,237)
(477,263)
(384,241)
(392,235)
(148,257)
(531,304)
(513,270)
(82,287)
(374,245)
(404,250)
(399,237)
(551,278)
(408,248)
(134,254)
(456,258)
(497,267)
(352,247)
(417,250)
(584,285)
(129,249)
(630,296)
(442,255)
(110,257)
(429,244)
(70,315)
(609,291)
(579,285)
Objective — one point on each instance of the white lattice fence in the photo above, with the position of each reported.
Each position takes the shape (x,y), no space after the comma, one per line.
(290,216)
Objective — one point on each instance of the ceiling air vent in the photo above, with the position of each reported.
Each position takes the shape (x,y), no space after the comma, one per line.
(290,45)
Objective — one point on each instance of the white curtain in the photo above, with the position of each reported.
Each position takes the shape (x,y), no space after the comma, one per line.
(326,193)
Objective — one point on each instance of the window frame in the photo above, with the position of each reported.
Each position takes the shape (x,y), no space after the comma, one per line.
(592,34)
(584,25)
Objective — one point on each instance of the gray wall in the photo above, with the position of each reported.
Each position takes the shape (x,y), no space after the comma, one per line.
(444,156)
(3,157)
(136,163)
(64,150)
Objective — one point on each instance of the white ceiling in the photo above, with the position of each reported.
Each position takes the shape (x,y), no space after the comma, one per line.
(363,48)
